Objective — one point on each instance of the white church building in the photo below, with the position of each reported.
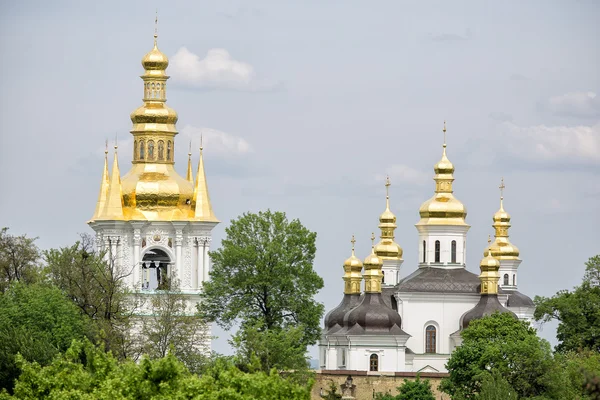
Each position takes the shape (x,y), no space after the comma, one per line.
(413,323)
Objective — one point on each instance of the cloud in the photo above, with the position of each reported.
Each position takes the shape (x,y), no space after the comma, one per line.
(405,174)
(217,70)
(500,116)
(563,144)
(574,104)
(215,141)
(451,37)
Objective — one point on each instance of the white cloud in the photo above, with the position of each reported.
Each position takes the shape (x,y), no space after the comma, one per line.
(579,144)
(405,174)
(217,70)
(575,104)
(215,141)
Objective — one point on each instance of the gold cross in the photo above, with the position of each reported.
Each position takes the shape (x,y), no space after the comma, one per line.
(156,24)
(387,186)
(489,239)
(501,187)
(444,130)
(372,238)
(353,241)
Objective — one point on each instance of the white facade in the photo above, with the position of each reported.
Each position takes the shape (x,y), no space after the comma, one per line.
(452,242)
(391,272)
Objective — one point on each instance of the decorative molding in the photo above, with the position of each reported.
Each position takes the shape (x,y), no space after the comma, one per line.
(157,237)
(187,263)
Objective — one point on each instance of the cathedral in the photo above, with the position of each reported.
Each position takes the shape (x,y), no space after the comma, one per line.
(413,323)
(152,223)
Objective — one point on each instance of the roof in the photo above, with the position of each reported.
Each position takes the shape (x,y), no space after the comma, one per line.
(428,279)
(488,304)
(518,299)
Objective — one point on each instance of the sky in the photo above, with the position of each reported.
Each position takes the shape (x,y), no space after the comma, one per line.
(306,106)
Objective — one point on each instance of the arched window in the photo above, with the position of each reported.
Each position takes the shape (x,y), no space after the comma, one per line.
(374,362)
(135,150)
(142,152)
(430,339)
(161,150)
(437,251)
(453,259)
(169,150)
(150,149)
(505,279)
(424,250)
(514,280)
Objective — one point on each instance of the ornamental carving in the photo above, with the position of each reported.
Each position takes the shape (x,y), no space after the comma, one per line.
(137,237)
(187,264)
(157,237)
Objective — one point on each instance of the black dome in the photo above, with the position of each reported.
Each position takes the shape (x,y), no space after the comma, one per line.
(371,317)
(488,304)
(334,320)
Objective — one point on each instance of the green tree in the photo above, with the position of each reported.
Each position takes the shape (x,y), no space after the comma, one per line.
(499,343)
(86,372)
(19,259)
(495,387)
(263,277)
(171,327)
(577,312)
(97,286)
(410,390)
(38,322)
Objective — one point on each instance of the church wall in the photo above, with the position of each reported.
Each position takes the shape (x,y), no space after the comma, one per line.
(445,234)
(440,310)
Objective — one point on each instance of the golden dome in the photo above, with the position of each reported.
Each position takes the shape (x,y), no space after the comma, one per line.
(489,267)
(373,275)
(353,263)
(387,248)
(372,261)
(352,272)
(502,248)
(489,262)
(155,60)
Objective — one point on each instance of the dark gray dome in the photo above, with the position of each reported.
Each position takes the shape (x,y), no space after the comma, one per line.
(518,299)
(334,320)
(488,304)
(372,317)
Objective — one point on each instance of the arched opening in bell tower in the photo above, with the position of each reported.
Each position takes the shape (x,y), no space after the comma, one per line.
(156,270)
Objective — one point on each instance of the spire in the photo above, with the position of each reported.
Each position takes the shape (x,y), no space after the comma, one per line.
(201,200)
(501,187)
(114,201)
(189,177)
(156,28)
(502,247)
(352,272)
(104,183)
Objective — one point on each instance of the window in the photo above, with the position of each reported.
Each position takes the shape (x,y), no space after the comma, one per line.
(142,155)
(383,277)
(514,280)
(161,150)
(424,250)
(169,150)
(374,362)
(135,150)
(453,259)
(150,149)
(342,357)
(505,279)
(437,251)
(430,339)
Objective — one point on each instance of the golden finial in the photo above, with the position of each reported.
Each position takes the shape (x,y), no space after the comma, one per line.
(444,130)
(106,147)
(489,239)
(373,239)
(116,141)
(156,27)
(190,150)
(387,192)
(353,241)
(201,142)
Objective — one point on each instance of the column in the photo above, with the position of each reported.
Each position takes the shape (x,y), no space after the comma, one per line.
(178,263)
(206,258)
(137,241)
(106,248)
(200,260)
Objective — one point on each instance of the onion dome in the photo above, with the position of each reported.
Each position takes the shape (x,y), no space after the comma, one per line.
(502,248)
(488,302)
(155,60)
(443,208)
(387,248)
(373,275)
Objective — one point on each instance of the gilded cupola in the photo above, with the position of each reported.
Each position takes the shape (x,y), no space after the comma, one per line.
(443,208)
(372,266)
(152,189)
(489,276)
(387,248)
(352,273)
(502,248)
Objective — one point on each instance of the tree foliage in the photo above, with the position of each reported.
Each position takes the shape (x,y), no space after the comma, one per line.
(499,343)
(263,278)
(97,286)
(38,322)
(410,390)
(86,372)
(577,312)
(19,259)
